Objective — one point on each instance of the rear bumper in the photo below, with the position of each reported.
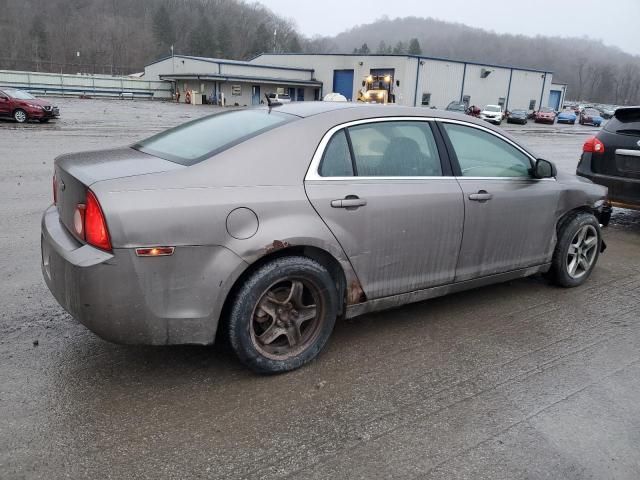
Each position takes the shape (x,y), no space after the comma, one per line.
(623,192)
(128,299)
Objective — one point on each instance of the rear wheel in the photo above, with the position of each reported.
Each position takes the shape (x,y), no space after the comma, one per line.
(20,115)
(577,250)
(283,315)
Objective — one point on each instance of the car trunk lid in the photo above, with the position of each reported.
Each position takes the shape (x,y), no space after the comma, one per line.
(76,172)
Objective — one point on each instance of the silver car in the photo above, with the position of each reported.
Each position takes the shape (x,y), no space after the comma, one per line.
(274,222)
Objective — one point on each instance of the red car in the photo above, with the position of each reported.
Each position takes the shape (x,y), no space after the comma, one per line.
(545,115)
(22,106)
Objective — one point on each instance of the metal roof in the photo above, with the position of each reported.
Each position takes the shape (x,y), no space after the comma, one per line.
(419,57)
(238,78)
(231,62)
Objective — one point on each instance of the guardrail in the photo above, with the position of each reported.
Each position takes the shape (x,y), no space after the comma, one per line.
(85,85)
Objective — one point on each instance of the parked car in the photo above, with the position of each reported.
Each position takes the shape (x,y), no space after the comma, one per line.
(607,112)
(517,116)
(279,97)
(545,115)
(456,107)
(214,223)
(590,116)
(492,114)
(612,158)
(22,106)
(567,116)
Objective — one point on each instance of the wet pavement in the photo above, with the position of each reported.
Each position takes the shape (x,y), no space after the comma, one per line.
(518,380)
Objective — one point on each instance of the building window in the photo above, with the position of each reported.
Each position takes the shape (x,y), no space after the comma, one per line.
(532,105)
(502,101)
(466,99)
(426,99)
(236,90)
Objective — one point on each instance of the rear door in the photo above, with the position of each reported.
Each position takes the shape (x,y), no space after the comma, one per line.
(391,203)
(509,216)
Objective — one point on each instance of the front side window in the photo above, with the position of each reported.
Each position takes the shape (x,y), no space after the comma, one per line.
(200,139)
(481,154)
(395,149)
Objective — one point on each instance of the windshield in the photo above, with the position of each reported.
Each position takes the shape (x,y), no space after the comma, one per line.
(546,110)
(456,106)
(200,139)
(284,97)
(592,112)
(518,112)
(19,94)
(492,108)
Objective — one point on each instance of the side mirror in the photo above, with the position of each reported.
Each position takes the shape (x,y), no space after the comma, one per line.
(544,169)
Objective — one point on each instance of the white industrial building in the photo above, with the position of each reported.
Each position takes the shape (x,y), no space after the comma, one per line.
(240,83)
(430,81)
(410,80)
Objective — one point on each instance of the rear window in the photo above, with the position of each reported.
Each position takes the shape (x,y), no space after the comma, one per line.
(200,139)
(626,122)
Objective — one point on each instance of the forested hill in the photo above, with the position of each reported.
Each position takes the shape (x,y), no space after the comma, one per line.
(121,36)
(593,70)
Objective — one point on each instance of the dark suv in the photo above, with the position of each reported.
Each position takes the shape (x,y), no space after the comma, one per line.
(22,106)
(612,159)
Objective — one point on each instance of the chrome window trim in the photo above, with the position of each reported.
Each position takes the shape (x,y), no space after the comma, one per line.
(313,175)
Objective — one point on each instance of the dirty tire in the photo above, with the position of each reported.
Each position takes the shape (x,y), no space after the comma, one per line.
(569,236)
(253,300)
(20,115)
(605,218)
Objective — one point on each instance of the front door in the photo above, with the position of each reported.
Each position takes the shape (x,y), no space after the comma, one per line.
(379,187)
(509,216)
(255,95)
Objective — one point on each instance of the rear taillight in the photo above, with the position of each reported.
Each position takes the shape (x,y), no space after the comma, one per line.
(90,224)
(593,145)
(55,189)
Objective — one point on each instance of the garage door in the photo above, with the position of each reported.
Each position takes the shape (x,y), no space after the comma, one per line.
(554,99)
(343,83)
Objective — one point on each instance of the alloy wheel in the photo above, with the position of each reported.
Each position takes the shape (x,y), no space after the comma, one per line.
(582,251)
(287,318)
(20,116)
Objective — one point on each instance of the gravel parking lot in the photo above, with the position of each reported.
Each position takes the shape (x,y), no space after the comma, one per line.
(518,380)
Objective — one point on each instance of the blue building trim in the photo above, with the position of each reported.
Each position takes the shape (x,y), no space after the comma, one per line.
(415,93)
(544,81)
(506,105)
(464,75)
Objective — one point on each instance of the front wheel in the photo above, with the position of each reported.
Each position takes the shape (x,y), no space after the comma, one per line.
(20,116)
(283,315)
(577,250)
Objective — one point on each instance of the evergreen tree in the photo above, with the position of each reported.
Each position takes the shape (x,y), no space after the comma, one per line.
(400,48)
(262,41)
(202,40)
(414,47)
(364,49)
(163,29)
(39,40)
(383,48)
(224,41)
(293,45)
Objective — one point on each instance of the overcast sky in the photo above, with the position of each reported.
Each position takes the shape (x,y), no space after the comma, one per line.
(616,22)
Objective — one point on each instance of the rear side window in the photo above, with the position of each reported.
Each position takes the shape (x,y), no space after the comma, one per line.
(395,149)
(625,122)
(481,154)
(200,139)
(336,161)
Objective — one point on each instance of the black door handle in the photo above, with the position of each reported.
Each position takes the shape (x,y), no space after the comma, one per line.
(481,196)
(350,202)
